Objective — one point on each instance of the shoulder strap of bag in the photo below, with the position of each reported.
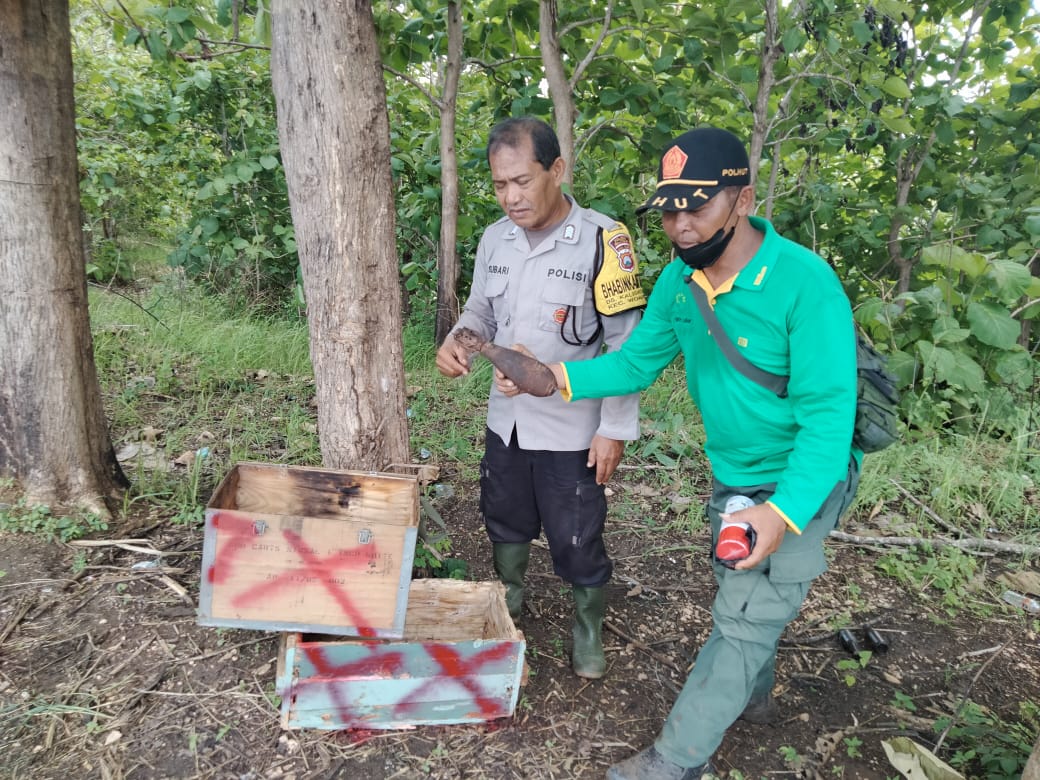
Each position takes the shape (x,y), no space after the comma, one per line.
(774,382)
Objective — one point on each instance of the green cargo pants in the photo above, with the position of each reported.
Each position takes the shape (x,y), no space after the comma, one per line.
(750,612)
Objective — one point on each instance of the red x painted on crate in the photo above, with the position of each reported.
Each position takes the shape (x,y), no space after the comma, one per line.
(379,663)
(383,663)
(239,529)
(460,672)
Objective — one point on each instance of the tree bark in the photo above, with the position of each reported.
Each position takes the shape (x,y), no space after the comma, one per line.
(54,440)
(560,89)
(448,254)
(768,57)
(335,142)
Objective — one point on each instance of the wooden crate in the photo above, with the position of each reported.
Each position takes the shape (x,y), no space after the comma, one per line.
(290,548)
(461,661)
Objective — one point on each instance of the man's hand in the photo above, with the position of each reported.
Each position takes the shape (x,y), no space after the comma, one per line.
(506,386)
(557,372)
(769,528)
(605,454)
(452,359)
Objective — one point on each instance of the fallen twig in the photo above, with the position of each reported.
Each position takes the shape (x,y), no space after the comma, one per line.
(964,698)
(124,544)
(807,639)
(176,587)
(929,511)
(54,599)
(155,570)
(644,647)
(1010,548)
(146,687)
(108,288)
(223,650)
(16,618)
(984,651)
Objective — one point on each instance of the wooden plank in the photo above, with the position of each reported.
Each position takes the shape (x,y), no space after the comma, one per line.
(285,490)
(224,495)
(284,672)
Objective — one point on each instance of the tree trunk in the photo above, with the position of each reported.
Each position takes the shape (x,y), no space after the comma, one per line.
(559,86)
(335,141)
(54,439)
(448,255)
(769,54)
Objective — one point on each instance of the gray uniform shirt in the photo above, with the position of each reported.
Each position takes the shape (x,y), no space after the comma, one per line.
(519,295)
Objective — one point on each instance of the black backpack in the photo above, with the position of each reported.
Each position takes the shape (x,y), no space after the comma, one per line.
(877,399)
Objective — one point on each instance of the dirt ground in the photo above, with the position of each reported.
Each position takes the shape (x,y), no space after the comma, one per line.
(104,672)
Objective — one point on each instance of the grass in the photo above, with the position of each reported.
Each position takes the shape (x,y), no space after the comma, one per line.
(976,483)
(182,373)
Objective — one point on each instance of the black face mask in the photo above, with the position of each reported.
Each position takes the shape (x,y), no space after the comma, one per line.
(705,254)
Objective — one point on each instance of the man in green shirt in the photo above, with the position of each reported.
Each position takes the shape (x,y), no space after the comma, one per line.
(786,312)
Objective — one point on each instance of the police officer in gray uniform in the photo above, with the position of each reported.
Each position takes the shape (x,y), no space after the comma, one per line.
(561,280)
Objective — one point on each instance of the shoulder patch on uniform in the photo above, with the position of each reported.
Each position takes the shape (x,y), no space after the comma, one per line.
(601,220)
(616,287)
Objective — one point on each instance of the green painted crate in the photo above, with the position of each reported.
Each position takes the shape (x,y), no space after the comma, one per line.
(461,660)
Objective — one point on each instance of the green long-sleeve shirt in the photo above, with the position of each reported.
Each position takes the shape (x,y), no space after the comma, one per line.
(786,311)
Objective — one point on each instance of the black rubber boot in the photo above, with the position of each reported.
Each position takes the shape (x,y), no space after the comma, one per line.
(762,711)
(510,565)
(587,657)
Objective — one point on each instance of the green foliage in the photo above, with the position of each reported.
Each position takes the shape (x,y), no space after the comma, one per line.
(975,481)
(176,140)
(38,520)
(415,163)
(954,343)
(446,416)
(239,235)
(980,737)
(883,155)
(852,746)
(433,560)
(670,423)
(949,572)
(851,667)
(127,179)
(902,701)
(791,757)
(108,263)
(668,440)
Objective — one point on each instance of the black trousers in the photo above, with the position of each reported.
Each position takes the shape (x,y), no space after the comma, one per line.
(527,492)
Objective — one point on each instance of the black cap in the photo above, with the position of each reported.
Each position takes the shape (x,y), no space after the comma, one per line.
(696,167)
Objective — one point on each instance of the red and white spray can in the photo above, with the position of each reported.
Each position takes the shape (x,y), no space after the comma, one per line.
(735,538)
